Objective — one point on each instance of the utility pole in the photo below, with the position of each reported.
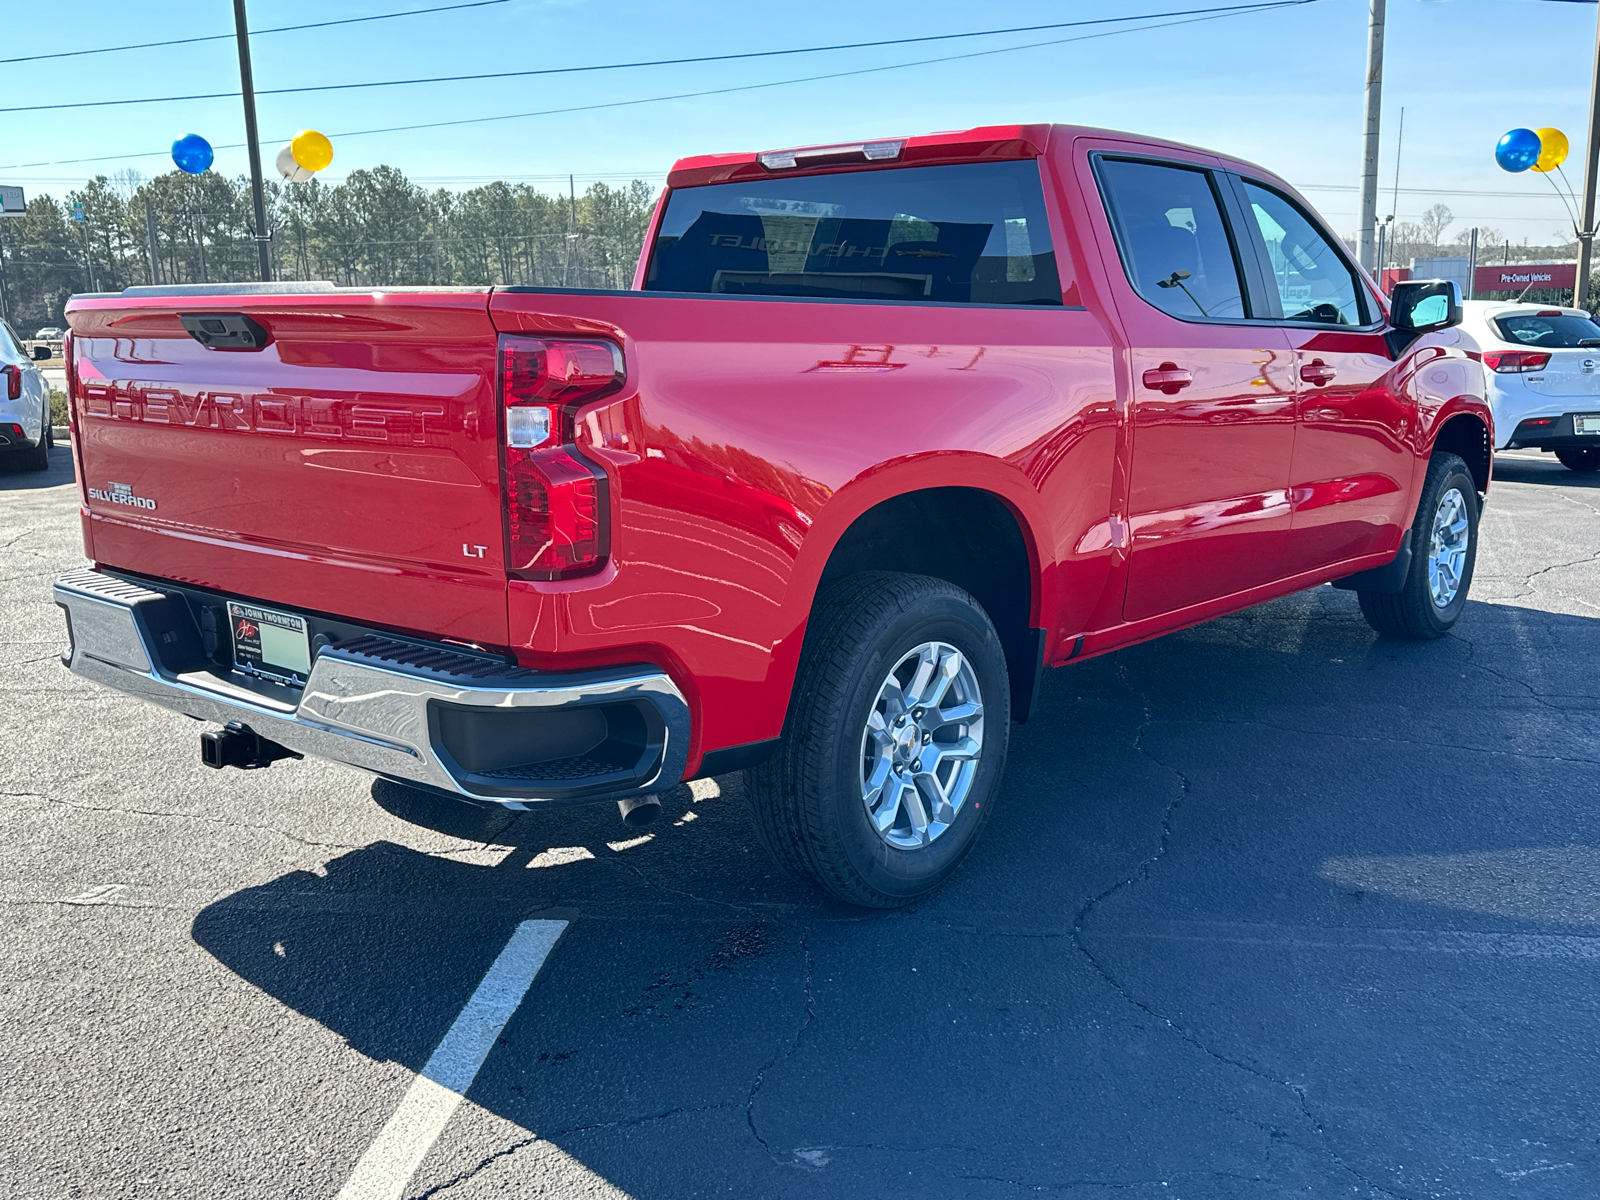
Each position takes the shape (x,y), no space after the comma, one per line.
(1369,148)
(248,88)
(1580,292)
(150,228)
(572,229)
(1472,265)
(5,295)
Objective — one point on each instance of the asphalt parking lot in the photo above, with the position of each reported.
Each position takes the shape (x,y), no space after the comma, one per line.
(1273,907)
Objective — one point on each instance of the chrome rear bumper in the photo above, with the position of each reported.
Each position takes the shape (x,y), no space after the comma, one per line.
(418,714)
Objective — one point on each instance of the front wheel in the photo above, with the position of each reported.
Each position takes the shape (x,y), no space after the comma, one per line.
(1584,459)
(1444,547)
(895,741)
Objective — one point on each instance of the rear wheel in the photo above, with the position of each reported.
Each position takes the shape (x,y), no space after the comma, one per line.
(1444,547)
(895,741)
(37,458)
(1579,458)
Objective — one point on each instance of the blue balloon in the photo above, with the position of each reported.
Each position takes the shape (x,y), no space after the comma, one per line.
(193,154)
(1518,150)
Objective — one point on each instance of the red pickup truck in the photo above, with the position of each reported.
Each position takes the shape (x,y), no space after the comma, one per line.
(880,431)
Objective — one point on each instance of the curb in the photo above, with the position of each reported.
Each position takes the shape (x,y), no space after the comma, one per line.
(61,433)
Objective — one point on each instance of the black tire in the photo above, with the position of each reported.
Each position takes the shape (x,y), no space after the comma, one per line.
(1412,612)
(37,458)
(1584,459)
(807,799)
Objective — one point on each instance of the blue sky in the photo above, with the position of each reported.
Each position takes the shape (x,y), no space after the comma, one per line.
(1282,88)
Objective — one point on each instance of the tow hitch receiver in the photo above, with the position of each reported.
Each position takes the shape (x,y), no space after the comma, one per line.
(236,745)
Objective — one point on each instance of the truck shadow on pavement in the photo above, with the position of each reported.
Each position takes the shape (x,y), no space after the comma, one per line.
(1109,990)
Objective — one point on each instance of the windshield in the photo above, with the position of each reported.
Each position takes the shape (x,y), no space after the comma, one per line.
(1548,330)
(972,233)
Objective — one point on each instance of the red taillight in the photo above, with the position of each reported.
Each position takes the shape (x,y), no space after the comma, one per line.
(556,521)
(13,375)
(1514,362)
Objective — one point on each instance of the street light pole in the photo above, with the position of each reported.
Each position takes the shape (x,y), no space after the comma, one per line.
(247,86)
(1369,149)
(1580,292)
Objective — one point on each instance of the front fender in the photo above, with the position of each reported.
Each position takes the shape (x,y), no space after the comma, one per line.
(1444,382)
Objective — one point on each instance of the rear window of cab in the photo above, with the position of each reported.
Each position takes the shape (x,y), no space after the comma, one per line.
(966,233)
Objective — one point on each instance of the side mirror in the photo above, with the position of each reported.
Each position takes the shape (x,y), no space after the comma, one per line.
(1420,306)
(40,353)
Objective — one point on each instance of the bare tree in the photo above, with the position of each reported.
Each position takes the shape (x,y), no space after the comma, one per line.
(1487,236)
(1434,222)
(126,183)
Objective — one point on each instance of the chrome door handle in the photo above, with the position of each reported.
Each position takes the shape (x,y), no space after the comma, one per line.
(1168,378)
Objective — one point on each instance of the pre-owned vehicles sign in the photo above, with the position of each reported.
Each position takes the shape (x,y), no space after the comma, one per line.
(1514,277)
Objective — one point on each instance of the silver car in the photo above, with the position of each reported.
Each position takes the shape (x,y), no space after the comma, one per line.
(25,434)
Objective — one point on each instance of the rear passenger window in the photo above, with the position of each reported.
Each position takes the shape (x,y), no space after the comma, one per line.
(1313,281)
(1173,240)
(964,233)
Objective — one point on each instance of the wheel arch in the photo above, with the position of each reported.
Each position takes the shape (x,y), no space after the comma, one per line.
(987,546)
(1468,434)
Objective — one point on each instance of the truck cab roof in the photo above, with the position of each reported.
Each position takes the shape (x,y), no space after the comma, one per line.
(983,143)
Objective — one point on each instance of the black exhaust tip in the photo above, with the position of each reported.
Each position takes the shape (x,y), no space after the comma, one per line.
(236,745)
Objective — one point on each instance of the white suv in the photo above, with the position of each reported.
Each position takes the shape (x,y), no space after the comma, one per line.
(1542,367)
(25,433)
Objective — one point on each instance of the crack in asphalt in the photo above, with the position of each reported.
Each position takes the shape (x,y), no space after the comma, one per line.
(1527,580)
(1472,661)
(181,816)
(1579,503)
(507,1151)
(1373,737)
(1139,875)
(665,887)
(761,1075)
(1066,1184)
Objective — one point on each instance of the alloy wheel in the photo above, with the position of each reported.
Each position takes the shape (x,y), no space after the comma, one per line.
(921,745)
(1447,548)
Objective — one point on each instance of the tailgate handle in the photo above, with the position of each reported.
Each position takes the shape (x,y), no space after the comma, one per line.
(225,331)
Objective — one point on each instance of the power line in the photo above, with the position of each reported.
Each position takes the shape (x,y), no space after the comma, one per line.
(228,37)
(749,87)
(659,62)
(1426,191)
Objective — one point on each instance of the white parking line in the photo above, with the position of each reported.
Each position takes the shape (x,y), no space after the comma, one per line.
(402,1144)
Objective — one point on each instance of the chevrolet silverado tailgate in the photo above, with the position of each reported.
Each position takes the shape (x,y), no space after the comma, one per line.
(331,451)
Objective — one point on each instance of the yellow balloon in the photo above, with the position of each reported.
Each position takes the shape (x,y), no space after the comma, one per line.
(313,151)
(1552,149)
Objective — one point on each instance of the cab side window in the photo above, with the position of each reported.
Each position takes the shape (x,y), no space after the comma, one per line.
(1314,282)
(1172,238)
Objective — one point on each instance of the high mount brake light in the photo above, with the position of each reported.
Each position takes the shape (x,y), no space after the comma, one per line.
(556,519)
(816,156)
(1515,362)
